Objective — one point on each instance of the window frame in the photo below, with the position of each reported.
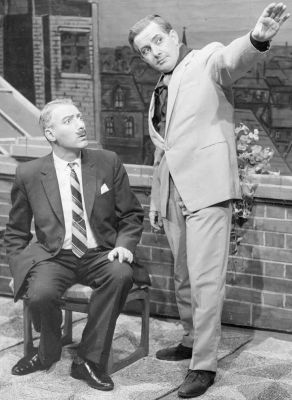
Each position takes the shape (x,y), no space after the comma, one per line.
(76,31)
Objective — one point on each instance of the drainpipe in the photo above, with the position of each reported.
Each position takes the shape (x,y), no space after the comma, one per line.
(96,69)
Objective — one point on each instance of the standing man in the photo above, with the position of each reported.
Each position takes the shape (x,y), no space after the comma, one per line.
(195,172)
(87,224)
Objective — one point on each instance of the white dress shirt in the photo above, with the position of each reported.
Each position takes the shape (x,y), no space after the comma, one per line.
(63,172)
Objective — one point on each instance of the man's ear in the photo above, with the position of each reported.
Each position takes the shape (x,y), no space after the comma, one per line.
(49,134)
(173,34)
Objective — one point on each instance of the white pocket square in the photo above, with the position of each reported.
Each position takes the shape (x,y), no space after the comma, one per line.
(104,188)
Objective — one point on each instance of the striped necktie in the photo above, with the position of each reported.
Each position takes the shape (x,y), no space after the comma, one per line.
(79,237)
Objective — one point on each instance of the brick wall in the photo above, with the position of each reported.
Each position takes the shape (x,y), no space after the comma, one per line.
(154,252)
(259,277)
(5,188)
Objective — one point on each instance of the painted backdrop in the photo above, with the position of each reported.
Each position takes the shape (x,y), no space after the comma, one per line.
(48,50)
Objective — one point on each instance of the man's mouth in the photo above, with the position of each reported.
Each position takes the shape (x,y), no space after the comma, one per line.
(160,62)
(82,135)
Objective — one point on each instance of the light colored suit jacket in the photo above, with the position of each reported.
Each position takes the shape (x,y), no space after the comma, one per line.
(199,145)
(115,216)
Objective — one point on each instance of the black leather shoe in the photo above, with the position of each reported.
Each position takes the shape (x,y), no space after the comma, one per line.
(196,383)
(92,374)
(177,353)
(28,364)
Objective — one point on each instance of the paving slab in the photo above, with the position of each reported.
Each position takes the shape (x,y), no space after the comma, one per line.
(255,372)
(252,365)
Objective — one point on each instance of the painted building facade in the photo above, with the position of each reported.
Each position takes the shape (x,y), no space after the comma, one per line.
(47,51)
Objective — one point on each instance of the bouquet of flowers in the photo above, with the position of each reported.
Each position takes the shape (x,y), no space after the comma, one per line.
(252,159)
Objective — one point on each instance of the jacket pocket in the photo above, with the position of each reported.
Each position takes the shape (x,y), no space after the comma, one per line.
(105,194)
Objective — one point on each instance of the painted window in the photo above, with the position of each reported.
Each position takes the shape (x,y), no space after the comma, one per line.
(129,127)
(119,98)
(109,126)
(75,52)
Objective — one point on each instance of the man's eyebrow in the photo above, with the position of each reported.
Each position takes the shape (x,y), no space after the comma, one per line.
(67,117)
(152,40)
(155,37)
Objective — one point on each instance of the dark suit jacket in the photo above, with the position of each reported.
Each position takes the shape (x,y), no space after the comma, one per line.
(115,216)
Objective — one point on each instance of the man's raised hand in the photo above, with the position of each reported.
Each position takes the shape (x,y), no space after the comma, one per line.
(270,22)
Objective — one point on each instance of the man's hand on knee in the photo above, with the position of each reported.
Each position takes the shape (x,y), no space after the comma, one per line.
(122,254)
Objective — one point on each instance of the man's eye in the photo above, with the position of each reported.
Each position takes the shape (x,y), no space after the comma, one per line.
(144,52)
(158,40)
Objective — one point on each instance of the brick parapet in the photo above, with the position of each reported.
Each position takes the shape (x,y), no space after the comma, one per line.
(259,277)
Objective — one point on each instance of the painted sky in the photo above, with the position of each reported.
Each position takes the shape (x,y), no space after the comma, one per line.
(205,20)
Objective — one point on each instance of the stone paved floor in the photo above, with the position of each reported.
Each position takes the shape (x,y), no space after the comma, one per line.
(253,365)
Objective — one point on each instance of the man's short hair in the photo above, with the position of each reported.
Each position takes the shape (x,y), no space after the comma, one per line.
(46,112)
(143,23)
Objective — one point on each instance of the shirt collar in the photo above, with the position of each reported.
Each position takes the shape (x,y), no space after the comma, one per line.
(62,164)
(183,51)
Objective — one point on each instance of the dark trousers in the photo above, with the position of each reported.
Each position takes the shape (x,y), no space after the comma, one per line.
(46,284)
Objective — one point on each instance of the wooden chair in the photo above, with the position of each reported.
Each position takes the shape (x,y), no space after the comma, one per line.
(77,299)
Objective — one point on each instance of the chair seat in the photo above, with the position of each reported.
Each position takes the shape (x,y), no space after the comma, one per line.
(77,299)
(81,293)
(78,292)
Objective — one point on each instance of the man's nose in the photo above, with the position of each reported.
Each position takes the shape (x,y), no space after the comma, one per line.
(80,123)
(156,50)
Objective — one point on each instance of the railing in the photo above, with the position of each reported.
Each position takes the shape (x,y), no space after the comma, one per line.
(14,124)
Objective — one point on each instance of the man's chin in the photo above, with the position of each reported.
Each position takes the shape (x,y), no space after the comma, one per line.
(165,69)
(84,143)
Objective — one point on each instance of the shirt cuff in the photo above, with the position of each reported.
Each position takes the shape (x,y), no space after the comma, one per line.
(260,46)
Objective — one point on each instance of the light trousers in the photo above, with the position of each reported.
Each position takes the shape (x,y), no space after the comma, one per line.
(200,245)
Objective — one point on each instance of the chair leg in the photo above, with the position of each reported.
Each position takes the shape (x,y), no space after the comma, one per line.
(144,342)
(143,348)
(67,337)
(27,330)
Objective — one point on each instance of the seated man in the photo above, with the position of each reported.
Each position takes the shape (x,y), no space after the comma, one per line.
(87,224)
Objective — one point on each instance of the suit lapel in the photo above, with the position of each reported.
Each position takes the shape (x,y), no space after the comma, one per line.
(174,86)
(91,181)
(51,187)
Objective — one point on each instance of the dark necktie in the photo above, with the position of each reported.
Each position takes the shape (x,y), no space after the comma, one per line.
(161,95)
(79,237)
